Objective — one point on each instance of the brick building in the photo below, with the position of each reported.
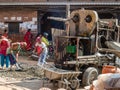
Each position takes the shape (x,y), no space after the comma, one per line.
(18,15)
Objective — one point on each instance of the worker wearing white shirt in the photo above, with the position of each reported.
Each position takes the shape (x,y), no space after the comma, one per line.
(43,54)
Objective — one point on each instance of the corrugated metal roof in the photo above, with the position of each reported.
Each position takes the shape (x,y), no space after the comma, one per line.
(61,3)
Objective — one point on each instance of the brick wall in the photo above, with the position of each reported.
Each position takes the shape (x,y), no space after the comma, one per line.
(25,16)
(14,15)
(22,0)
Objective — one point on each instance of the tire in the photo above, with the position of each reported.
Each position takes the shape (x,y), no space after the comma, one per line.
(89,76)
(74,84)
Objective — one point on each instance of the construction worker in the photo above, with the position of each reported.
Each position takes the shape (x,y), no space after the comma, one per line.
(44,39)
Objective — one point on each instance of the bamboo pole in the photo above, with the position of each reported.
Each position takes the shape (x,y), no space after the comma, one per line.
(118,36)
(68,16)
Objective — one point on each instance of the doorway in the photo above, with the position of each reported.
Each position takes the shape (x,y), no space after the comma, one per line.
(14,32)
(13,27)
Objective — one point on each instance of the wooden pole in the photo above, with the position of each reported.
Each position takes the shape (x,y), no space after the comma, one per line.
(68,16)
(118,36)
(39,17)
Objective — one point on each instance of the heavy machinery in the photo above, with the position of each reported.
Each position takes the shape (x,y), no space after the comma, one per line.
(88,45)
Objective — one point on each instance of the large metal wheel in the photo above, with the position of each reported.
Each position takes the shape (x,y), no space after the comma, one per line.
(74,84)
(89,76)
(62,85)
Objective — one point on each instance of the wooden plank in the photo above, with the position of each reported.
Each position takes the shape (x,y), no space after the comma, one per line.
(55,34)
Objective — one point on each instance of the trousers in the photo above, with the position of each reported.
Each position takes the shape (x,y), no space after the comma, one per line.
(4,59)
(42,58)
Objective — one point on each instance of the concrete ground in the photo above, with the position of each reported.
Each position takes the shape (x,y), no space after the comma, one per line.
(26,85)
(30,84)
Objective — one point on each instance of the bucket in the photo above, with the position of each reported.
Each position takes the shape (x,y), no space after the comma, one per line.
(39,50)
(109,69)
(71,49)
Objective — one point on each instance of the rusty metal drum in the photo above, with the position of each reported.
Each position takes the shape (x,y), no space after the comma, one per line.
(83,22)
